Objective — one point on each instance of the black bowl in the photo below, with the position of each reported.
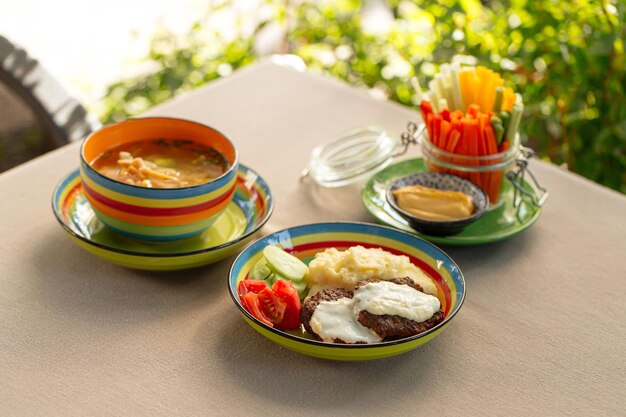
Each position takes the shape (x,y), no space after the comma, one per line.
(439,181)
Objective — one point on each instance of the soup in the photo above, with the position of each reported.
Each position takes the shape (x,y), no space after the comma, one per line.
(161,163)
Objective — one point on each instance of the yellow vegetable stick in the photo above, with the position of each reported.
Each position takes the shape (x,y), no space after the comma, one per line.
(509,99)
(494,82)
(480,73)
(466,82)
(484,89)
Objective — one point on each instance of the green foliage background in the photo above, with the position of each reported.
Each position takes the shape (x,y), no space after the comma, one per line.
(565,57)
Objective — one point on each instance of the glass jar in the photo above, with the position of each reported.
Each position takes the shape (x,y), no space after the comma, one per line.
(357,154)
(486,171)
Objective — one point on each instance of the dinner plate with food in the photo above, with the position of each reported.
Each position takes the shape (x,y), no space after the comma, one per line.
(346,291)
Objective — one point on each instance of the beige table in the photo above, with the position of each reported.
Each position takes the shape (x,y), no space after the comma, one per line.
(541,333)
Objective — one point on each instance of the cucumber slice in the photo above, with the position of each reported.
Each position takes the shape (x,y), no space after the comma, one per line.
(271,279)
(260,270)
(301,287)
(285,264)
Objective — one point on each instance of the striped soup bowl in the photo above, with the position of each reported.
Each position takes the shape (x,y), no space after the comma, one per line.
(306,240)
(156,214)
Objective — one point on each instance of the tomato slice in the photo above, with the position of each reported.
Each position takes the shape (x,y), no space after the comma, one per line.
(286,291)
(250,285)
(276,307)
(250,302)
(273,306)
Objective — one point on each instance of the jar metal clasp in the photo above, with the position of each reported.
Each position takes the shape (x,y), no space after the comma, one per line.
(517,178)
(410,137)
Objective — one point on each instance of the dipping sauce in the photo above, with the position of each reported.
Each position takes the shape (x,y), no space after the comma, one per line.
(434,205)
(161,163)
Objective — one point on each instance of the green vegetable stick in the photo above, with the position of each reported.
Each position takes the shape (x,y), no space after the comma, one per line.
(506,119)
(497,103)
(499,132)
(516,116)
(496,123)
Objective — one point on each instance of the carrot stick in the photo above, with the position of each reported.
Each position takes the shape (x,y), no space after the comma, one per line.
(473,149)
(492,147)
(427,111)
(445,114)
(436,129)
(496,182)
(483,148)
(429,125)
(473,138)
(455,135)
(456,145)
(482,143)
(443,135)
(473,110)
(485,176)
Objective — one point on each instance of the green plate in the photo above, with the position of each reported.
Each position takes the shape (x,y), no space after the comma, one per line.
(502,222)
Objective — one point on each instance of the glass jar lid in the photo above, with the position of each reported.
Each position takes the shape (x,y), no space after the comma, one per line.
(357,154)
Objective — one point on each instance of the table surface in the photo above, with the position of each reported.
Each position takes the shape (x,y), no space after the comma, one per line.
(541,332)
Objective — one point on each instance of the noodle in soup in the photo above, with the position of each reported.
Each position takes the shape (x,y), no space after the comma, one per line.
(161,163)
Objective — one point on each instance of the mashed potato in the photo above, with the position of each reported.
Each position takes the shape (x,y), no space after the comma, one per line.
(342,269)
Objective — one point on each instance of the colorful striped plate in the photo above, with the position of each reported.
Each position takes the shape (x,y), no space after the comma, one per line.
(305,241)
(249,210)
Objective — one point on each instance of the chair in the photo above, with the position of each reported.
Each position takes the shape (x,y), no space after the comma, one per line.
(36,113)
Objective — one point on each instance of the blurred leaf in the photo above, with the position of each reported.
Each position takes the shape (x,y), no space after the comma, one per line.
(568,59)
